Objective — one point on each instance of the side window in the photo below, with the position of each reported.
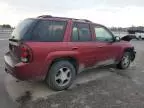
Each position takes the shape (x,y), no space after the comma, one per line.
(57,31)
(84,32)
(49,31)
(81,32)
(102,34)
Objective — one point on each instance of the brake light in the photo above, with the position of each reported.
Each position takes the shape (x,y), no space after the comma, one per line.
(26,54)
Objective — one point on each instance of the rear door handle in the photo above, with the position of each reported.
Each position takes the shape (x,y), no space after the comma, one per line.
(74,48)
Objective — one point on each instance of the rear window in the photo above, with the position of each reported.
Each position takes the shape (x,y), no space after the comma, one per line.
(49,31)
(21,29)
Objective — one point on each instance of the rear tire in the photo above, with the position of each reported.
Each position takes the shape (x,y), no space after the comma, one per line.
(125,61)
(61,75)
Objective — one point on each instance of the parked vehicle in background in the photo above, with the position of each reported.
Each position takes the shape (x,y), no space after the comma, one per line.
(139,36)
(56,49)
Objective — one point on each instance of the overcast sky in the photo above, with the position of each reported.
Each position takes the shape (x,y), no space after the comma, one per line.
(122,13)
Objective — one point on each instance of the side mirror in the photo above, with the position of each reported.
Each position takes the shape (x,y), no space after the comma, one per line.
(117,39)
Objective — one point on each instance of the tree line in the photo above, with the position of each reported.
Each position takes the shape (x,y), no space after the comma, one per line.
(6,26)
(133,28)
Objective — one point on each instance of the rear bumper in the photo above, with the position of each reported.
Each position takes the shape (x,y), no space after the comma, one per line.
(21,71)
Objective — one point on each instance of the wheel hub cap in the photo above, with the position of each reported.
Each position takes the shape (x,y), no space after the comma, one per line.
(63,76)
(126,61)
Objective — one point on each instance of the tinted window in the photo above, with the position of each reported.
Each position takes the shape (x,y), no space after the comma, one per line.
(102,34)
(84,32)
(21,29)
(81,32)
(49,31)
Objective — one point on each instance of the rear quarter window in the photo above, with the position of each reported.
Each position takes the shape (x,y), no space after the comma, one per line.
(49,31)
(21,29)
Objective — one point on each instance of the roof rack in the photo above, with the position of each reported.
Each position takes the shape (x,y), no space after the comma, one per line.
(49,16)
(83,20)
(45,16)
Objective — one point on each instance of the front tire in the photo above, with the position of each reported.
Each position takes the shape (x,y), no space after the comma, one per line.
(140,38)
(61,75)
(125,61)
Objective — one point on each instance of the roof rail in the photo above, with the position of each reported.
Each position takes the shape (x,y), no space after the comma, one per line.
(83,20)
(49,16)
(44,16)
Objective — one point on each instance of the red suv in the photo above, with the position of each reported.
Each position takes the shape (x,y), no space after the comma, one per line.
(56,49)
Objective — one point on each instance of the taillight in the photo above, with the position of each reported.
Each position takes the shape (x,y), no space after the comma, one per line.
(26,54)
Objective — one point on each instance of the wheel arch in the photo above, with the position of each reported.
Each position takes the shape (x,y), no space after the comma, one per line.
(71,59)
(131,50)
(67,58)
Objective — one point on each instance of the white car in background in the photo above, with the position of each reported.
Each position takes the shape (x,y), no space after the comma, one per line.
(139,36)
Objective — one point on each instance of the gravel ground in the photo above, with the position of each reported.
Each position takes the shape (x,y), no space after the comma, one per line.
(114,91)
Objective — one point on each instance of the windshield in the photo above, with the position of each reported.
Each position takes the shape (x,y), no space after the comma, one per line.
(21,29)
